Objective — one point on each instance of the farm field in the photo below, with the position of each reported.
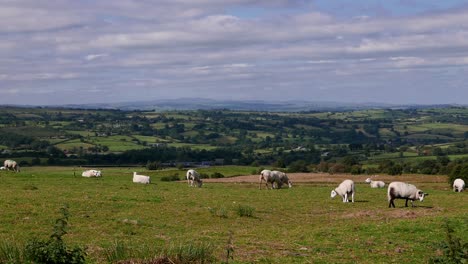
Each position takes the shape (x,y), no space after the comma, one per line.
(297,225)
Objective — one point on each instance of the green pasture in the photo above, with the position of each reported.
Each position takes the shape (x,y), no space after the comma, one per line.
(192,146)
(117,143)
(297,225)
(150,139)
(74,143)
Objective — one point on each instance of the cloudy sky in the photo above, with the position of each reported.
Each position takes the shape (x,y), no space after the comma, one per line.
(91,51)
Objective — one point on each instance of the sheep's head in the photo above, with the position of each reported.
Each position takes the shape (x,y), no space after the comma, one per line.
(333,194)
(200,183)
(368,180)
(421,195)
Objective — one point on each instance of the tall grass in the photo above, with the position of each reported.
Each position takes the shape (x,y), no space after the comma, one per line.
(11,252)
(190,252)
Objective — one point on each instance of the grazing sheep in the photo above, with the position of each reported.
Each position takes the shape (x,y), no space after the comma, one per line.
(402,190)
(193,176)
(458,185)
(11,165)
(375,184)
(345,189)
(269,177)
(282,179)
(141,178)
(91,173)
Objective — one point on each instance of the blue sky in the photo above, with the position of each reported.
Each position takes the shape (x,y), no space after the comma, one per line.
(393,51)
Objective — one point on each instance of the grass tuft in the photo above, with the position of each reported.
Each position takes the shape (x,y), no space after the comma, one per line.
(245,211)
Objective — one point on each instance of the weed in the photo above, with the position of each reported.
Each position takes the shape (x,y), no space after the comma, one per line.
(454,250)
(229,248)
(219,212)
(245,210)
(54,250)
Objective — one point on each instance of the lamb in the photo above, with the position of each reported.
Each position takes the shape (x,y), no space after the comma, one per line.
(375,184)
(141,178)
(11,165)
(282,179)
(193,176)
(402,190)
(458,185)
(345,189)
(91,173)
(269,177)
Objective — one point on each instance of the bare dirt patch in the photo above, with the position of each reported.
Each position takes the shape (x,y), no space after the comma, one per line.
(337,178)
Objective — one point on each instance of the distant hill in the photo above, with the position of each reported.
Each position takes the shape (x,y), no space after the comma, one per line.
(249,105)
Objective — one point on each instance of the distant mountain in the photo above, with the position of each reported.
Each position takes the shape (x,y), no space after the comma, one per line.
(248,105)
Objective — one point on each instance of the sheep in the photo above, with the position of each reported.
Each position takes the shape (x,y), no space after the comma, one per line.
(2,168)
(91,173)
(11,165)
(141,178)
(269,177)
(193,176)
(282,179)
(458,185)
(402,190)
(345,189)
(375,184)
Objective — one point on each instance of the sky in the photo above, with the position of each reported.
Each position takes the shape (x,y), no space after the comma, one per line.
(55,52)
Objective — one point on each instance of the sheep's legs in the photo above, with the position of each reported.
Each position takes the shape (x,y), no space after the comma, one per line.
(345,198)
(352,197)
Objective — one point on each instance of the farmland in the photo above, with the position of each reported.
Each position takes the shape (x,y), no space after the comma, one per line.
(297,225)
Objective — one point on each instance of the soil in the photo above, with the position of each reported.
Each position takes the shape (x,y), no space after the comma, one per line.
(337,178)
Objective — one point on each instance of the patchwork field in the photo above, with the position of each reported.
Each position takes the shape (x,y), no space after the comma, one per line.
(297,225)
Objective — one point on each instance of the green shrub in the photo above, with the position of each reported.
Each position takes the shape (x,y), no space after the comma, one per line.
(174,177)
(216,175)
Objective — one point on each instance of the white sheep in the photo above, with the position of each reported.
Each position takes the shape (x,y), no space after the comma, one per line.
(282,179)
(194,176)
(2,168)
(141,178)
(91,173)
(269,177)
(345,189)
(458,185)
(375,184)
(402,190)
(11,165)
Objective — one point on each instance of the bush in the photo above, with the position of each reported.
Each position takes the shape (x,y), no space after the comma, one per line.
(155,165)
(216,175)
(174,177)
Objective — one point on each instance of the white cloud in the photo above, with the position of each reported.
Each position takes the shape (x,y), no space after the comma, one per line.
(180,45)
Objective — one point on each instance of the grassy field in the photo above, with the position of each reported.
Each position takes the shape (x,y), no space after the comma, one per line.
(298,225)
